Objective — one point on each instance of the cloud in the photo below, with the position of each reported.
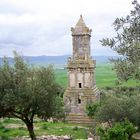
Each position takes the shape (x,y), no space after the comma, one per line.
(42,27)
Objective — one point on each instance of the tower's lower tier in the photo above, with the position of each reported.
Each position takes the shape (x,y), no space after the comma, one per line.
(80,119)
(76,101)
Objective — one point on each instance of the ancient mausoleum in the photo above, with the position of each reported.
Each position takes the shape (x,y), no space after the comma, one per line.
(81,88)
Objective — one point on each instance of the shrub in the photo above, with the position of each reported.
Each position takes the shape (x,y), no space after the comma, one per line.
(118,131)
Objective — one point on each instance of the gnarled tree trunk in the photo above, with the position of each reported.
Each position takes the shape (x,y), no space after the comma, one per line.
(31,130)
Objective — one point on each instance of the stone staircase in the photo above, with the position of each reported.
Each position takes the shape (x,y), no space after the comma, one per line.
(80,119)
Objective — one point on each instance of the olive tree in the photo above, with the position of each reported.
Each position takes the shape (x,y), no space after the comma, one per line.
(26,92)
(127,44)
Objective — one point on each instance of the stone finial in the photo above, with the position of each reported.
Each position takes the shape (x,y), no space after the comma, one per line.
(80,23)
(81,28)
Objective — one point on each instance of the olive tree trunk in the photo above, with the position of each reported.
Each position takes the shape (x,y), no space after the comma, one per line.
(31,130)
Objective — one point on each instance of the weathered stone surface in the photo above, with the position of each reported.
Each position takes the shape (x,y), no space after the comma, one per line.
(81,88)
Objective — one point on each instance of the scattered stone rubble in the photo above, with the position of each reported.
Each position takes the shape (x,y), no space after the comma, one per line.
(52,137)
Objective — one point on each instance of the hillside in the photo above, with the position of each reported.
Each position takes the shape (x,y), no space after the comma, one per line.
(57,61)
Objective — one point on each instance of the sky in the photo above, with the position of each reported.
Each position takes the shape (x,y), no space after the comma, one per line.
(42,27)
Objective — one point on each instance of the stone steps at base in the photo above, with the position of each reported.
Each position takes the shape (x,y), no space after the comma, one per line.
(79,119)
(80,122)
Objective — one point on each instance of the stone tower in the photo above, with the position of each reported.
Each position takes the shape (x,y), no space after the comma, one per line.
(81,88)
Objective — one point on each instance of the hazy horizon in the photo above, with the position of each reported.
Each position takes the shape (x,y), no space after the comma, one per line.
(58,55)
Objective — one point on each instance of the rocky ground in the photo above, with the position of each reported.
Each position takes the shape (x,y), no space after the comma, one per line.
(47,138)
(52,137)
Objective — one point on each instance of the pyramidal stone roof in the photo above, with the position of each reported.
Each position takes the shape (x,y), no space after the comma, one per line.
(81,28)
(80,23)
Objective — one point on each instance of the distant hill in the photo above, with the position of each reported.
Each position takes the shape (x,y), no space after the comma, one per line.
(57,61)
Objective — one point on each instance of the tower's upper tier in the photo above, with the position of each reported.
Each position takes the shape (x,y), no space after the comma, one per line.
(81,28)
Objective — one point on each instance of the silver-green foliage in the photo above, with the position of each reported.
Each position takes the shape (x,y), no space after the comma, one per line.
(26,92)
(127,44)
(117,108)
(118,131)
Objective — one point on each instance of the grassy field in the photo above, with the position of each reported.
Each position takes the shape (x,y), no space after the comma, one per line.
(12,128)
(105,76)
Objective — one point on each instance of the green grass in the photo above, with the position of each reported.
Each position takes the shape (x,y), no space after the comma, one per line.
(61,129)
(11,128)
(104,76)
(61,76)
(8,128)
